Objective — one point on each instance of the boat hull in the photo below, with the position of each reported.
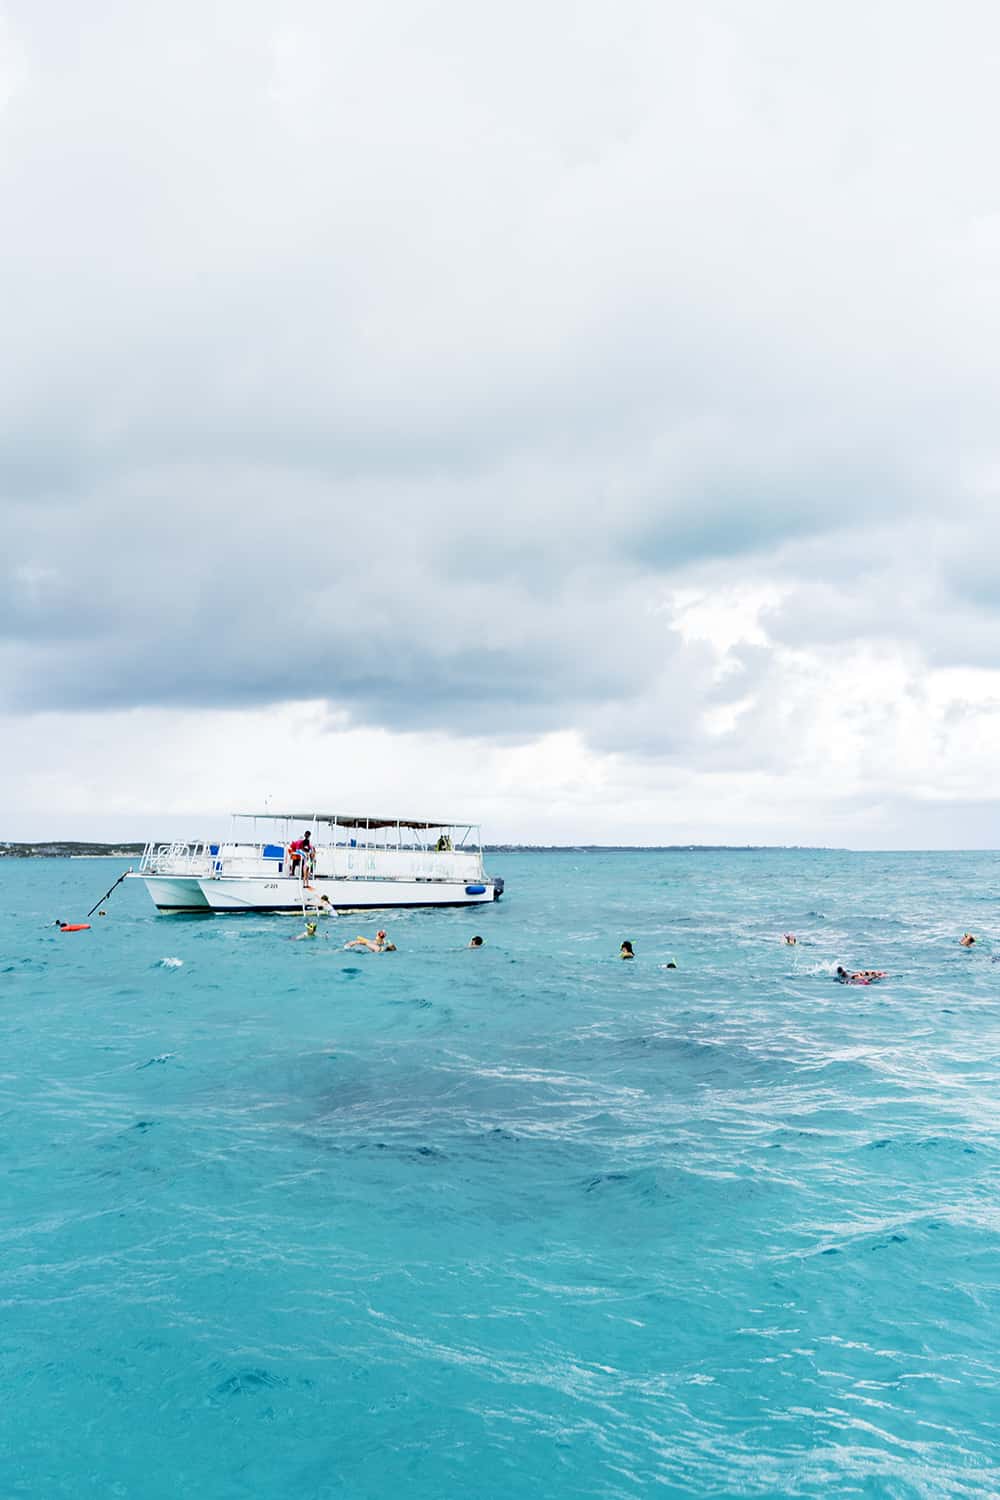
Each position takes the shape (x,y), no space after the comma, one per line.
(227,894)
(176,893)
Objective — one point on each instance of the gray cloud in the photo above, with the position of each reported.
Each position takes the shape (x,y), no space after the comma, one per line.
(409,359)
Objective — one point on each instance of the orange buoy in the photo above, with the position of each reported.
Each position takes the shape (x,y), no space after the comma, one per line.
(75,927)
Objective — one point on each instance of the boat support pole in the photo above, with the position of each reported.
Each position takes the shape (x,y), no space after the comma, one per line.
(107,893)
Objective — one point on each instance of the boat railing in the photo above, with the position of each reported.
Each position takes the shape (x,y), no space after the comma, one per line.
(192,857)
(200,859)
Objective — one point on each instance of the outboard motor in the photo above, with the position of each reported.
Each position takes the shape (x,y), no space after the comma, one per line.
(497,887)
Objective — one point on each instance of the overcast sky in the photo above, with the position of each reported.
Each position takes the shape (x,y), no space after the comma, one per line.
(580,417)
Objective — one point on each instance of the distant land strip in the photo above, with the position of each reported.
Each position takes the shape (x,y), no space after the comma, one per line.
(71,849)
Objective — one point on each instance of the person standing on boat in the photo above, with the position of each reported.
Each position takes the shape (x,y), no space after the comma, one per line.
(300,855)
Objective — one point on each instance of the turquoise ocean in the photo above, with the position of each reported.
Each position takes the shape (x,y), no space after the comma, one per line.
(279,1220)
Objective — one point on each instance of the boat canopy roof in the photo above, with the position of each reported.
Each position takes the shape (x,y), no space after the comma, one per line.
(355,820)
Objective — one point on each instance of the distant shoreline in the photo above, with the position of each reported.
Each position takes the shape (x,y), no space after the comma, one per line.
(65,849)
(662,849)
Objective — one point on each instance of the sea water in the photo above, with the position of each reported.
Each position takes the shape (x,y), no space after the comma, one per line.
(280,1219)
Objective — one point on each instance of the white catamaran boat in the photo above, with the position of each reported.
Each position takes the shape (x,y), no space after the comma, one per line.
(357,863)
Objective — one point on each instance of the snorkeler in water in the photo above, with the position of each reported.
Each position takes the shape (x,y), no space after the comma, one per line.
(626,949)
(381,943)
(860,976)
(310,932)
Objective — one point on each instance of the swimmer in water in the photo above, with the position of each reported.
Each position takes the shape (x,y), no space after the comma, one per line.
(966,940)
(626,949)
(381,943)
(670,965)
(860,976)
(791,939)
(475,942)
(310,932)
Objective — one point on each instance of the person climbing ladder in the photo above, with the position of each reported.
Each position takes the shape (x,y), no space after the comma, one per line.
(302,859)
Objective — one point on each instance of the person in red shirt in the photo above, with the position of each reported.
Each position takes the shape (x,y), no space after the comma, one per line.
(300,855)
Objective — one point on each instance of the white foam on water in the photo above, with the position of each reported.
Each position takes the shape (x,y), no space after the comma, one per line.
(171,963)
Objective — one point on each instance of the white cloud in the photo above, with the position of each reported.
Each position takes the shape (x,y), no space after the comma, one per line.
(601,402)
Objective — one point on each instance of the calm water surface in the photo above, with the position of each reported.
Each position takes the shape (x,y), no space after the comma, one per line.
(280,1220)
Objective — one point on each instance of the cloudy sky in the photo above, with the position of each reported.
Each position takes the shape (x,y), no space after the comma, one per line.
(581,417)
